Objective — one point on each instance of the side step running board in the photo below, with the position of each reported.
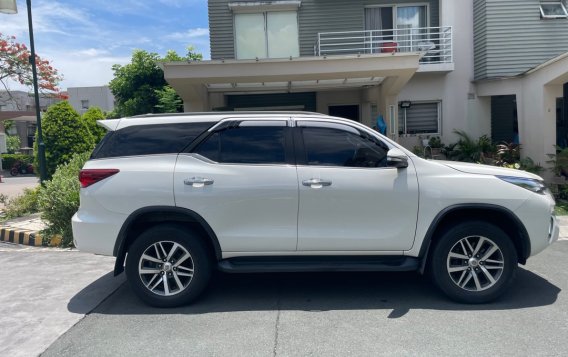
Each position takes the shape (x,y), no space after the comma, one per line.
(318,264)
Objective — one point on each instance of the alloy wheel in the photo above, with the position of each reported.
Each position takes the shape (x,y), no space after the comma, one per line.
(475,263)
(166,268)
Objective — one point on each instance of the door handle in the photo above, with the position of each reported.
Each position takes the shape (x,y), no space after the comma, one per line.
(198,181)
(316,183)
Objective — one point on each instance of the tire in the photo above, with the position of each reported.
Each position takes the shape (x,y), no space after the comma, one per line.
(177,281)
(14,171)
(481,277)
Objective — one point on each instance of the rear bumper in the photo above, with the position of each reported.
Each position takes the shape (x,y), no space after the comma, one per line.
(96,234)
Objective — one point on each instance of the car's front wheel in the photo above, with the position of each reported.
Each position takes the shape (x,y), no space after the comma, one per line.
(473,262)
(168,266)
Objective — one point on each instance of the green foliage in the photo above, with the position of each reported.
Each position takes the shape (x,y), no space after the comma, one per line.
(59,199)
(134,85)
(169,100)
(140,88)
(561,208)
(8,124)
(435,142)
(468,149)
(192,54)
(21,205)
(90,118)
(8,160)
(64,134)
(559,162)
(508,153)
(13,144)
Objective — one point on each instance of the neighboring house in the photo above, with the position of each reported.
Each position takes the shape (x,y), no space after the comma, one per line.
(19,106)
(82,98)
(428,67)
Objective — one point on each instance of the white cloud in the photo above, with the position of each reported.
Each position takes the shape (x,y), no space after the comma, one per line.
(191,34)
(90,52)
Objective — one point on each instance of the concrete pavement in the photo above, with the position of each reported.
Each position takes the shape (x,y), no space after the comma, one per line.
(45,292)
(335,314)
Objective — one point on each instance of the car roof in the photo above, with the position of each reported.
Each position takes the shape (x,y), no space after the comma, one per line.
(170,118)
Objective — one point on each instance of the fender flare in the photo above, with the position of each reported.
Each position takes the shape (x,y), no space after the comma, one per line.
(120,248)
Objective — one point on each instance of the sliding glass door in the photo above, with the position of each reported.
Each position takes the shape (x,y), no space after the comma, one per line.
(408,22)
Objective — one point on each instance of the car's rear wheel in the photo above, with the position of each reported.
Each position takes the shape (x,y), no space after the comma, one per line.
(168,266)
(473,262)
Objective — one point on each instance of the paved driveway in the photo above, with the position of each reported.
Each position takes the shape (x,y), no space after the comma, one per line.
(334,314)
(44,292)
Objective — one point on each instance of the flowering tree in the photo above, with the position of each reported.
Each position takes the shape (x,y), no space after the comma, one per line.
(15,66)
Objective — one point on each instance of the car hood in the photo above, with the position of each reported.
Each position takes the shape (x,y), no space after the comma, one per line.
(471,168)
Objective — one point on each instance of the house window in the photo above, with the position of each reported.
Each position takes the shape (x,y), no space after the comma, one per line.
(420,118)
(553,10)
(269,34)
(84,104)
(406,25)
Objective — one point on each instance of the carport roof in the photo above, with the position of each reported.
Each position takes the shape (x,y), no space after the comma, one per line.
(191,79)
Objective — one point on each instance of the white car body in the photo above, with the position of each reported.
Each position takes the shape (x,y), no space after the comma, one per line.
(268,210)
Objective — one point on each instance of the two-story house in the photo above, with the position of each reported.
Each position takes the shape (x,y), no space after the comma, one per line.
(428,67)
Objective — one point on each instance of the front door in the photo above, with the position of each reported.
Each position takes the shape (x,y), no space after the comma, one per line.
(349,199)
(241,182)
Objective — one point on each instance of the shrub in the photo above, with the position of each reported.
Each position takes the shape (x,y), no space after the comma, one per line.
(64,134)
(90,118)
(13,144)
(8,160)
(22,205)
(59,199)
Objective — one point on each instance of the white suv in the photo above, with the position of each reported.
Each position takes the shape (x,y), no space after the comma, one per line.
(175,196)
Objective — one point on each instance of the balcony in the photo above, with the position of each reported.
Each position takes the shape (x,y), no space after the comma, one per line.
(434,42)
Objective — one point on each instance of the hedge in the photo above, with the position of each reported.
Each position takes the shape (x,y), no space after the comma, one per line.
(8,160)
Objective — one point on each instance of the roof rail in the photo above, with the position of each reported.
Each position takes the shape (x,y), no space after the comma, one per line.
(151,115)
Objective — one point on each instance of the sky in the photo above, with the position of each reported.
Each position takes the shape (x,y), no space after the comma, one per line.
(83,39)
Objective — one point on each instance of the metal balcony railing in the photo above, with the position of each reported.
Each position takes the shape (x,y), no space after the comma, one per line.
(435,42)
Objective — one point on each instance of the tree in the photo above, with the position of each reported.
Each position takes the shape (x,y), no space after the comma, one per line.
(15,66)
(168,100)
(139,87)
(134,85)
(90,118)
(64,134)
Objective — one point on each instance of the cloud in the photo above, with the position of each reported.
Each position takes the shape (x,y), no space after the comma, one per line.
(91,52)
(85,71)
(191,34)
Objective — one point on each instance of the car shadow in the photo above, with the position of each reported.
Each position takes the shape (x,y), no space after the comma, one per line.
(398,292)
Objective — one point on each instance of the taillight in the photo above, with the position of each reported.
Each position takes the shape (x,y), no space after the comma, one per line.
(91,176)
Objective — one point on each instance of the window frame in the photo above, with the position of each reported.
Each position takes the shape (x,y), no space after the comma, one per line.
(300,147)
(394,7)
(289,156)
(545,16)
(264,12)
(405,126)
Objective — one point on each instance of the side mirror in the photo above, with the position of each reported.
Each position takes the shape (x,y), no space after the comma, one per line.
(397,158)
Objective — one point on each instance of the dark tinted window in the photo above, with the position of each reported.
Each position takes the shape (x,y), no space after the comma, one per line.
(336,147)
(149,139)
(246,145)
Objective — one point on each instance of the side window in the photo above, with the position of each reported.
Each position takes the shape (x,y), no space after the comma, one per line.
(336,147)
(148,139)
(246,145)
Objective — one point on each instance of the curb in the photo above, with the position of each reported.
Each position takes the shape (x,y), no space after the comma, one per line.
(20,236)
